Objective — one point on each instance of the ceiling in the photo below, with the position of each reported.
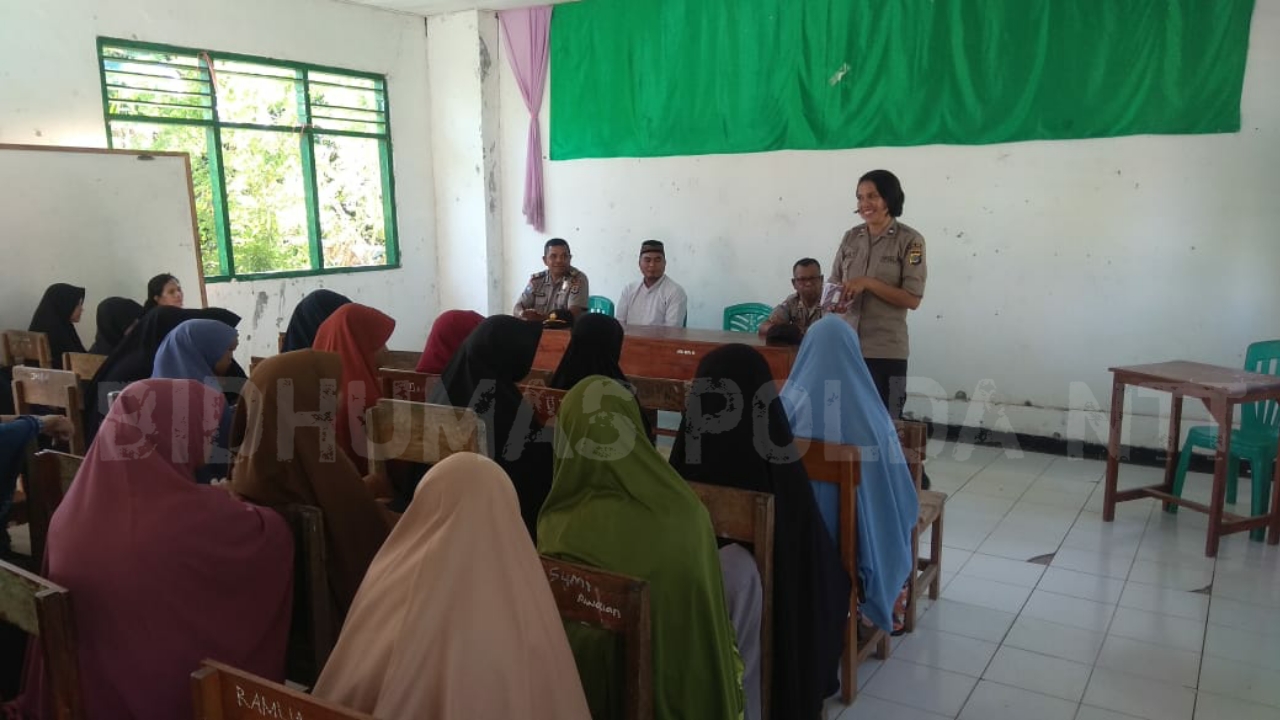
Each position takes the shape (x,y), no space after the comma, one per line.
(434,7)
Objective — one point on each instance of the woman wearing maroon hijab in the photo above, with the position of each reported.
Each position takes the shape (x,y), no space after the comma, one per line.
(447,335)
(163,572)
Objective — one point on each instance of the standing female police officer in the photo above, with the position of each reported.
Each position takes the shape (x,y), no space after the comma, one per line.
(881,265)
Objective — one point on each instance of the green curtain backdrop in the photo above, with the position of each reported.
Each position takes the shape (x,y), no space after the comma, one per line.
(637,78)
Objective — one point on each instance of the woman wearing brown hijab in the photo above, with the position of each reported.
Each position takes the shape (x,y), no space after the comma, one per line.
(309,469)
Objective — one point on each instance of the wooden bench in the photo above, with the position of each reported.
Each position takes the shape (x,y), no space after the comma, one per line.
(84,365)
(746,517)
(58,389)
(545,401)
(927,573)
(41,608)
(417,387)
(312,628)
(617,604)
(220,692)
(401,359)
(661,393)
(22,347)
(420,433)
(46,485)
(652,394)
(406,384)
(841,465)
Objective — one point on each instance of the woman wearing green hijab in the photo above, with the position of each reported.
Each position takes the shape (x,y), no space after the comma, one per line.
(616,504)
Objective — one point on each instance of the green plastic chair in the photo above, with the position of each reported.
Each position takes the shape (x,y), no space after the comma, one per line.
(746,317)
(600,304)
(1255,441)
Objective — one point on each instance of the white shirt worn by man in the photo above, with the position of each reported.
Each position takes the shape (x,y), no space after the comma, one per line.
(663,304)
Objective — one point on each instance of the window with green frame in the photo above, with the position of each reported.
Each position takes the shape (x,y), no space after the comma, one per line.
(291,163)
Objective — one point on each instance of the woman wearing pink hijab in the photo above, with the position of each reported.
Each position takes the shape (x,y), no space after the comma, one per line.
(163,572)
(455,619)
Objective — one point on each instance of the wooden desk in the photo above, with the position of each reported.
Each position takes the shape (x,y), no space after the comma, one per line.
(673,353)
(401,359)
(1220,389)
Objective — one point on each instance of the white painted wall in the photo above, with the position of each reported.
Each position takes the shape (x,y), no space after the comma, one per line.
(1049,261)
(50,93)
(106,189)
(464,139)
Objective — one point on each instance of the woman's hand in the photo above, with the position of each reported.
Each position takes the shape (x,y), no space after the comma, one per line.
(225,484)
(853,287)
(58,427)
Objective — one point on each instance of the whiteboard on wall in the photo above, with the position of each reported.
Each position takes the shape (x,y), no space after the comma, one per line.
(105,220)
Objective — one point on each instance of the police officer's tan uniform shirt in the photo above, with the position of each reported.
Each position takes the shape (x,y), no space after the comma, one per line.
(543,295)
(896,258)
(792,310)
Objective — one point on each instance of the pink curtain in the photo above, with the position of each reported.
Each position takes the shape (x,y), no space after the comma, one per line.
(526,32)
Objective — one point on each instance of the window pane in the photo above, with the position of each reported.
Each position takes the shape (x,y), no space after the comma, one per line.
(158,86)
(343,80)
(347,108)
(349,181)
(266,200)
(193,140)
(258,94)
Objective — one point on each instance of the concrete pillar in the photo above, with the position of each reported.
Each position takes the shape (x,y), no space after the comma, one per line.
(462,50)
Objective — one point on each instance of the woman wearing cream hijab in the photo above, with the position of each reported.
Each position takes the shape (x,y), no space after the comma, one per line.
(455,619)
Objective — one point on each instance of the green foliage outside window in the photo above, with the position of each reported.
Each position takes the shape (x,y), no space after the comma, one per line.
(290,163)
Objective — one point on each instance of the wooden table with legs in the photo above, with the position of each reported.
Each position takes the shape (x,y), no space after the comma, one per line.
(1220,389)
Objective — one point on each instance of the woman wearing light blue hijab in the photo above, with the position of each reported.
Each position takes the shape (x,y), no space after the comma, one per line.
(198,350)
(202,350)
(830,396)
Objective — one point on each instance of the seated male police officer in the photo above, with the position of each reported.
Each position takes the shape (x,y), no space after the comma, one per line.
(561,286)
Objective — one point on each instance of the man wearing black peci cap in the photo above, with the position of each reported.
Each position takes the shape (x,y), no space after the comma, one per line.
(655,299)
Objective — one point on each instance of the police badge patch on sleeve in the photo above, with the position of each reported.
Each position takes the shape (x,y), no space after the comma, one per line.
(915,256)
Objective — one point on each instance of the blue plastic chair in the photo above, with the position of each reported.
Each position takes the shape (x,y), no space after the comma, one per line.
(746,317)
(1255,441)
(600,304)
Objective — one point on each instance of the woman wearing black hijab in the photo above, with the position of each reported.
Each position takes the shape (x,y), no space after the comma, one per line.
(116,316)
(595,348)
(135,356)
(314,309)
(56,315)
(810,586)
(482,376)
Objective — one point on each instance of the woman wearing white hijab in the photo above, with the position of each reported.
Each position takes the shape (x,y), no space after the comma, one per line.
(455,619)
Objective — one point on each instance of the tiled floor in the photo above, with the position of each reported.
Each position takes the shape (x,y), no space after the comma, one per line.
(1048,613)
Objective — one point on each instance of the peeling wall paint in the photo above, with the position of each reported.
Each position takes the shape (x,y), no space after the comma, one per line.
(1049,261)
(265,306)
